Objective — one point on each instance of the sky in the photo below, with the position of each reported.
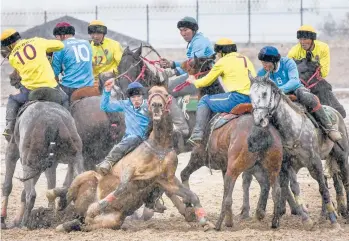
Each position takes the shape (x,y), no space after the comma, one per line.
(218,18)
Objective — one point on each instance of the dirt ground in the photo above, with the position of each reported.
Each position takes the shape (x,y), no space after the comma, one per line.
(171,225)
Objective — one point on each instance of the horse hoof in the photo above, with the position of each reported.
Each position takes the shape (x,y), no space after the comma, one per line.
(190,214)
(60,229)
(308,224)
(208,226)
(245,215)
(147,214)
(260,215)
(275,224)
(3,225)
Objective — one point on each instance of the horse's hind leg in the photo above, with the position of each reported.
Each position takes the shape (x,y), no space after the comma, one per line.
(50,174)
(110,221)
(12,155)
(338,185)
(30,196)
(316,172)
(246,183)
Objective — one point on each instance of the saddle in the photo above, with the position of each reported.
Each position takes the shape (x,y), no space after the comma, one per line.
(83,92)
(46,94)
(220,119)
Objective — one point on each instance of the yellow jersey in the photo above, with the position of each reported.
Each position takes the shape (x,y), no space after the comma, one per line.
(321,51)
(29,58)
(233,68)
(106,57)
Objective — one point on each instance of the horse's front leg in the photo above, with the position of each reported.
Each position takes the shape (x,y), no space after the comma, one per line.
(196,161)
(174,187)
(97,208)
(246,183)
(12,155)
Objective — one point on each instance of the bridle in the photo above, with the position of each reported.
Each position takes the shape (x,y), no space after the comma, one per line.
(271,110)
(167,101)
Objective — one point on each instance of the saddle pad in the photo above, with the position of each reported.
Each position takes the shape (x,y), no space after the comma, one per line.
(24,107)
(84,92)
(242,109)
(193,103)
(221,119)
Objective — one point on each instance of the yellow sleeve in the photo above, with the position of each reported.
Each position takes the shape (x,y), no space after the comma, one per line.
(325,61)
(53,45)
(117,54)
(216,71)
(250,67)
(292,53)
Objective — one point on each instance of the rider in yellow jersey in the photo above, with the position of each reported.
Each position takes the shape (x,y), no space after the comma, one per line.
(233,67)
(106,53)
(28,58)
(309,45)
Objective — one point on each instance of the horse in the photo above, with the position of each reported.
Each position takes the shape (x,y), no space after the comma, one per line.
(132,179)
(44,134)
(227,149)
(306,144)
(309,73)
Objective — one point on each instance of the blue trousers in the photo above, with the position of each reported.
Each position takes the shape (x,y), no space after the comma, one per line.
(224,102)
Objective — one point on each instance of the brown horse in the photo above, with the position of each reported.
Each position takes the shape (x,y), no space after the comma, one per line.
(127,187)
(228,150)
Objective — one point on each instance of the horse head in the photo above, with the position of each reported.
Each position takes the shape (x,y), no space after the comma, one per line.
(307,68)
(265,97)
(136,67)
(198,66)
(159,102)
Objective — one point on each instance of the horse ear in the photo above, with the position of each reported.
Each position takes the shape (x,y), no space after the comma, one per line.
(139,51)
(252,79)
(266,76)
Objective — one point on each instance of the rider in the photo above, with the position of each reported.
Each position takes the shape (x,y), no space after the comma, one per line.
(284,74)
(74,62)
(233,68)
(198,44)
(28,58)
(136,119)
(309,45)
(106,52)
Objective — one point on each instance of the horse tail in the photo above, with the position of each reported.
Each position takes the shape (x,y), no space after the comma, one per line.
(260,139)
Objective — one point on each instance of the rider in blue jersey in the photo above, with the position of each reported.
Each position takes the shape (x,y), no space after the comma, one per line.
(74,61)
(198,44)
(284,73)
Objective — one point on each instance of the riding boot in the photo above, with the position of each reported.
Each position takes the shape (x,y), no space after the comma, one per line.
(11,114)
(202,118)
(110,160)
(325,121)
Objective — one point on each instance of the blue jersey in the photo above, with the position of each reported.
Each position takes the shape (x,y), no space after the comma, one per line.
(200,46)
(286,77)
(74,62)
(136,120)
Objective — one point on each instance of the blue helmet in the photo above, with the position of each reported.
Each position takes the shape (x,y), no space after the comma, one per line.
(134,88)
(269,54)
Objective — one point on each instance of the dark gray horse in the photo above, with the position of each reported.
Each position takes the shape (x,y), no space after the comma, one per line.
(45,135)
(306,144)
(309,73)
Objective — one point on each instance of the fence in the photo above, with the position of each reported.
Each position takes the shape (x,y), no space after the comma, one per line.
(243,20)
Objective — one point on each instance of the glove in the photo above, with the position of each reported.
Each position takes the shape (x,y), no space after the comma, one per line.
(164,63)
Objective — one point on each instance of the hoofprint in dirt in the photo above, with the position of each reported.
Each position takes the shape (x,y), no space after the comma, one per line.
(172,226)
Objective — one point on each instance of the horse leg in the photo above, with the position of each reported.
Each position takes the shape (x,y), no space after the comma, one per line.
(174,187)
(276,193)
(78,167)
(246,183)
(12,155)
(296,192)
(261,175)
(30,196)
(342,159)
(194,164)
(112,220)
(316,172)
(19,215)
(338,185)
(50,174)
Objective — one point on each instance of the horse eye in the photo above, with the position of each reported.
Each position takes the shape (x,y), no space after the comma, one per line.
(264,94)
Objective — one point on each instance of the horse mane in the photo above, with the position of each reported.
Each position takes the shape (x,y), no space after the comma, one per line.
(295,107)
